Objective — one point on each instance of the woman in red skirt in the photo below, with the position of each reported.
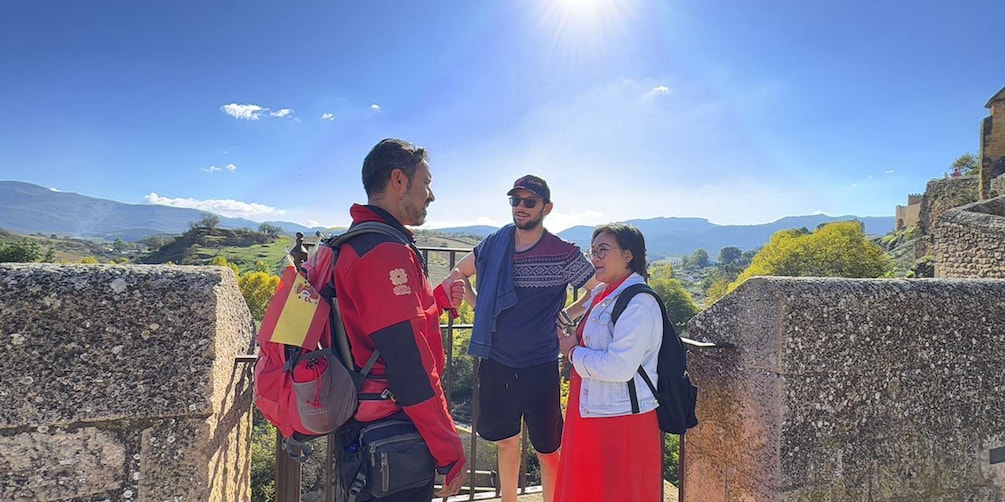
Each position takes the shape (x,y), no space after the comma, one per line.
(608,452)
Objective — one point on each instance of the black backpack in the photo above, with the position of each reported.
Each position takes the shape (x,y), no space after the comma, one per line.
(674,392)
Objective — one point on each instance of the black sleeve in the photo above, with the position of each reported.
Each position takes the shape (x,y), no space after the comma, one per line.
(407,376)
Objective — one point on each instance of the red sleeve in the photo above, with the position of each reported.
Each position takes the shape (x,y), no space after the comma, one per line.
(396,310)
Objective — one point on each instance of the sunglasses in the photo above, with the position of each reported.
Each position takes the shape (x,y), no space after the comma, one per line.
(528,202)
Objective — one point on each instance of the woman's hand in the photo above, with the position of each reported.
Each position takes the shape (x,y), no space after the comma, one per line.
(567,342)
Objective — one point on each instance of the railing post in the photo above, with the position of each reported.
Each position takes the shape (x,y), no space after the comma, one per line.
(287,474)
(680,470)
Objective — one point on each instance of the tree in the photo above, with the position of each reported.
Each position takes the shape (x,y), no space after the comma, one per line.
(838,249)
(965,164)
(157,241)
(662,270)
(257,289)
(699,258)
(729,254)
(220,261)
(679,303)
(24,251)
(270,229)
(209,221)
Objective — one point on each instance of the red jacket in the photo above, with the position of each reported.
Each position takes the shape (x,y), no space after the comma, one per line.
(387,303)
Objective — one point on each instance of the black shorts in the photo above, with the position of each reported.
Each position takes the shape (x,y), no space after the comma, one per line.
(508,394)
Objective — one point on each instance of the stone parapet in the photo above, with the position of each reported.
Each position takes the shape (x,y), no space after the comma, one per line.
(850,389)
(119,383)
(970,241)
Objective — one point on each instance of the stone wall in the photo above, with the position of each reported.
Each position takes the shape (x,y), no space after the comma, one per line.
(119,383)
(850,389)
(970,240)
(944,194)
(992,150)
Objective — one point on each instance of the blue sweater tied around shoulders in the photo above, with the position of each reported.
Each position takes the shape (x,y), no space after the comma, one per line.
(496,292)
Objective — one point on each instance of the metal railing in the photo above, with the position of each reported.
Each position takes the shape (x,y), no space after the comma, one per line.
(288,470)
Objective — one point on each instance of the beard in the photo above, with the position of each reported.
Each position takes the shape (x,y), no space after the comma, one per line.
(416,214)
(530,224)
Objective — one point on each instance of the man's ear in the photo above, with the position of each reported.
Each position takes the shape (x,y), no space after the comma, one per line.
(547,208)
(398,184)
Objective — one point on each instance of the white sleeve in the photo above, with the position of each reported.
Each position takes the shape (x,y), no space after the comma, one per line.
(636,333)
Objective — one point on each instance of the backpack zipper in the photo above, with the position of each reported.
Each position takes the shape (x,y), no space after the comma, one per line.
(385,475)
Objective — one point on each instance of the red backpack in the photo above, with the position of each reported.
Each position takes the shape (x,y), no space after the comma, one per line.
(310,388)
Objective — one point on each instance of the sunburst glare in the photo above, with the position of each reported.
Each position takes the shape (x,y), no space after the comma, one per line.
(583,28)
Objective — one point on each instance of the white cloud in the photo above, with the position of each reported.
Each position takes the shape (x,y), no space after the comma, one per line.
(243,112)
(225,207)
(213,169)
(888,171)
(327,116)
(282,112)
(658,90)
(375,106)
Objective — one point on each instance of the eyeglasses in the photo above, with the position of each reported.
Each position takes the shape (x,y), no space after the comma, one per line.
(528,202)
(599,253)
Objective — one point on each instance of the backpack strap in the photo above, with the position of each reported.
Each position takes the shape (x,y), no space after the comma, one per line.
(619,308)
(337,328)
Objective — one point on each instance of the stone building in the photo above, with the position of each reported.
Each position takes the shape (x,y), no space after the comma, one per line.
(909,216)
(992,153)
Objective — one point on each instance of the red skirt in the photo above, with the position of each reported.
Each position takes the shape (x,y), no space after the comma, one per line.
(609,459)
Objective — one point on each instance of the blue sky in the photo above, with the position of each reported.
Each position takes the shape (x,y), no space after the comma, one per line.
(739,112)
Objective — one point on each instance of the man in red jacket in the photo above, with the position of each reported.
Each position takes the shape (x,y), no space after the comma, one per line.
(388,304)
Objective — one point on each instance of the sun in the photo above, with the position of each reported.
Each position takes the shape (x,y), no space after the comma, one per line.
(582,26)
(583,4)
(585,8)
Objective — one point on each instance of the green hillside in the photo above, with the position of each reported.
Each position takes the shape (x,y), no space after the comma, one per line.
(73,250)
(242,247)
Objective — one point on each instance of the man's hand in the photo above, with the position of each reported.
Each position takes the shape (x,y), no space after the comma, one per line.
(449,295)
(453,480)
(455,290)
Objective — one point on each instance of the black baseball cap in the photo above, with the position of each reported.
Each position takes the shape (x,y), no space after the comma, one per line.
(536,185)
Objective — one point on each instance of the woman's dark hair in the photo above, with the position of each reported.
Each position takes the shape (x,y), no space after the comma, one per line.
(384,158)
(629,237)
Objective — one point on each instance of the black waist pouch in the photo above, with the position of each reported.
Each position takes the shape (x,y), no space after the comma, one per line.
(391,457)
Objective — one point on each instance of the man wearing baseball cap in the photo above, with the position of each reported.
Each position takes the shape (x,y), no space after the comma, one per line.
(523,274)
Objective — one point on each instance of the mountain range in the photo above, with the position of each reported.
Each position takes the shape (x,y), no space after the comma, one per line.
(678,236)
(28,208)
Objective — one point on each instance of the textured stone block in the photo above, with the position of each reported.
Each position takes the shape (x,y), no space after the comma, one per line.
(132,370)
(850,389)
(59,465)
